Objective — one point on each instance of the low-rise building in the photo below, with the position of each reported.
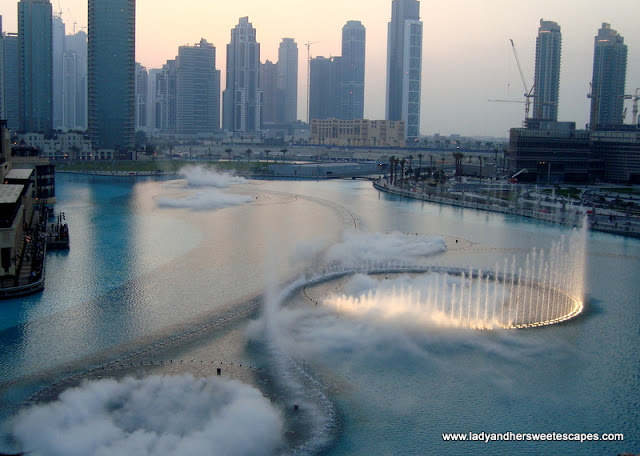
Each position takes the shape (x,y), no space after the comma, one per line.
(70,145)
(358,133)
(619,148)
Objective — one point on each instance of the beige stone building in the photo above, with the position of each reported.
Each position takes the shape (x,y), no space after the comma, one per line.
(358,132)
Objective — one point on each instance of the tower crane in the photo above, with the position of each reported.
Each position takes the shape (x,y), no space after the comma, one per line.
(635,98)
(528,93)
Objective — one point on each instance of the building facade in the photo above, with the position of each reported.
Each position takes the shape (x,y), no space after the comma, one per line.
(324,88)
(272,101)
(166,98)
(552,153)
(288,79)
(242,97)
(404,66)
(619,148)
(198,90)
(609,77)
(75,82)
(358,133)
(111,71)
(142,82)
(352,71)
(58,51)
(2,95)
(35,61)
(11,81)
(546,90)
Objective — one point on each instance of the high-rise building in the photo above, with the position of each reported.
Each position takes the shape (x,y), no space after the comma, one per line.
(166,98)
(142,77)
(242,96)
(198,89)
(609,78)
(35,65)
(153,122)
(404,66)
(352,71)
(546,90)
(272,101)
(112,69)
(75,82)
(2,117)
(58,43)
(288,79)
(11,81)
(324,88)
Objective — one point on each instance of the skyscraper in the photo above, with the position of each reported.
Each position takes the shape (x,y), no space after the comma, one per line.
(288,79)
(352,71)
(111,72)
(242,98)
(75,82)
(166,90)
(547,73)
(609,77)
(153,122)
(35,65)
(58,43)
(2,116)
(198,89)
(324,88)
(404,65)
(272,102)
(142,84)
(11,81)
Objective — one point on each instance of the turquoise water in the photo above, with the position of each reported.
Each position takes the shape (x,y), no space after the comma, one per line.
(135,272)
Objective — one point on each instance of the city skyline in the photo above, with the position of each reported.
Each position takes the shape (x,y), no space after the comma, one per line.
(467,59)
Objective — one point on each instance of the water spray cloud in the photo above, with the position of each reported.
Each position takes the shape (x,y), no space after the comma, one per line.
(381,248)
(198,176)
(203,201)
(157,416)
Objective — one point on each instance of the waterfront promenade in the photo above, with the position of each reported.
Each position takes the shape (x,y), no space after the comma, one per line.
(535,207)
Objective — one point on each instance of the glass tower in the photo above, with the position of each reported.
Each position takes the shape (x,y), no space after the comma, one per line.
(352,77)
(609,77)
(547,74)
(404,66)
(111,72)
(35,61)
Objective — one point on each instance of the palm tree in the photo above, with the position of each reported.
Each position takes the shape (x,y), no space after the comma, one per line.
(410,157)
(284,151)
(458,156)
(392,160)
(248,152)
(267,152)
(480,158)
(402,162)
(431,161)
(420,155)
(228,150)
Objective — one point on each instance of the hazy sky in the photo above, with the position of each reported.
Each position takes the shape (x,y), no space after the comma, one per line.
(467,58)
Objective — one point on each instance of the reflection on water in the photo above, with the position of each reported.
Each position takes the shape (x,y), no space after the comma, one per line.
(138,273)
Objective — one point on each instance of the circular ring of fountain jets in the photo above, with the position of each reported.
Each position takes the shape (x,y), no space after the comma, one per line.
(544,289)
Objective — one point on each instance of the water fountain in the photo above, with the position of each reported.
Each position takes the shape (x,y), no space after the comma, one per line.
(545,288)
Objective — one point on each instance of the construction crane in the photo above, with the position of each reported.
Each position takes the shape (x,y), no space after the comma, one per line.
(528,93)
(635,97)
(308,45)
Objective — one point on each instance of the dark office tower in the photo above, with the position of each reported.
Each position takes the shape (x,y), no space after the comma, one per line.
(112,70)
(58,43)
(198,89)
(352,77)
(546,91)
(272,107)
(609,77)
(35,66)
(288,79)
(166,104)
(75,82)
(242,97)
(11,81)
(404,65)
(2,116)
(324,91)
